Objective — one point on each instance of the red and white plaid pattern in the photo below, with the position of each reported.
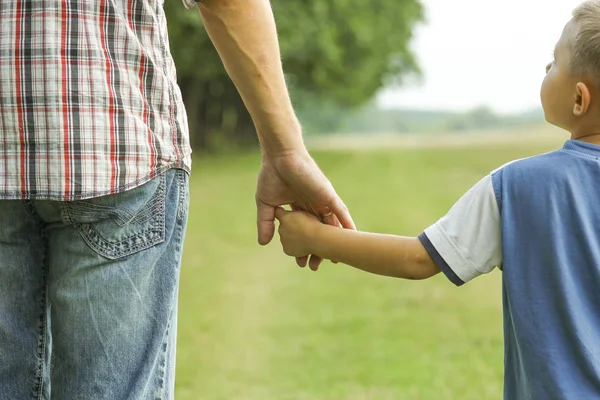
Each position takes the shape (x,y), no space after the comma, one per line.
(89,103)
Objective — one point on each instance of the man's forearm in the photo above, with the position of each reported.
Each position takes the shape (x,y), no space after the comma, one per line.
(389,255)
(244,34)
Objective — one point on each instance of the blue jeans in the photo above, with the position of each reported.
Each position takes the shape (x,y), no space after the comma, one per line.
(88,294)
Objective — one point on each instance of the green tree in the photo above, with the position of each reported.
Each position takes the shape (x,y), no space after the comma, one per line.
(335,52)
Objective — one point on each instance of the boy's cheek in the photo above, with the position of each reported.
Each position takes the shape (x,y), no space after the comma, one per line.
(547,100)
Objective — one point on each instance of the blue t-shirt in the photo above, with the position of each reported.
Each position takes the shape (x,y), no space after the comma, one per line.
(538,219)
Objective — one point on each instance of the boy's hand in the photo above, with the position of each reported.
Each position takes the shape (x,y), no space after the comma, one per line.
(297,232)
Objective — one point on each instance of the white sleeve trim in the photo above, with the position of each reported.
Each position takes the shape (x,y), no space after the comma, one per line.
(468,237)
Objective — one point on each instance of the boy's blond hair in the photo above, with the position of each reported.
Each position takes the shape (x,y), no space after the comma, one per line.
(585,48)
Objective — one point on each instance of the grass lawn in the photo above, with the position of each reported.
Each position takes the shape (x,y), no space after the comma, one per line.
(253,326)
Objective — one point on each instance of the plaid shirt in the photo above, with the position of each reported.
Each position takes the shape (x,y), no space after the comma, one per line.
(89,103)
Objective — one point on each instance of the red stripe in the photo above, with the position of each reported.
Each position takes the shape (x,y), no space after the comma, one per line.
(111,105)
(65,99)
(20,113)
(174,128)
(130,13)
(145,115)
(142,71)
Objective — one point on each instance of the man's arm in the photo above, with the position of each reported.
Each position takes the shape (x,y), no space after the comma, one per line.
(244,34)
(389,255)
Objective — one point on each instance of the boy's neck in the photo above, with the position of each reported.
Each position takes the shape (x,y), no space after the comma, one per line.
(585,130)
(591,137)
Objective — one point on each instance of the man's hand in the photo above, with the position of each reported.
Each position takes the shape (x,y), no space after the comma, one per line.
(244,34)
(294,178)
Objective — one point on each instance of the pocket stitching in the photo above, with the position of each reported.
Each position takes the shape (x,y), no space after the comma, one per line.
(83,208)
(110,250)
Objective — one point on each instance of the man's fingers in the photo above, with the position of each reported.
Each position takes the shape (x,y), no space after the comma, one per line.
(343,215)
(265,222)
(331,219)
(279,212)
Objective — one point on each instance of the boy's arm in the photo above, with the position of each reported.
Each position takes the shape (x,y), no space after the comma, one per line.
(396,256)
(463,244)
(389,255)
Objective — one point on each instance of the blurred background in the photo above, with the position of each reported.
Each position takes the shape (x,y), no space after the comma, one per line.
(405,105)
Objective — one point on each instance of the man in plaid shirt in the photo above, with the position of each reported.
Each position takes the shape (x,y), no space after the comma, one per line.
(94,163)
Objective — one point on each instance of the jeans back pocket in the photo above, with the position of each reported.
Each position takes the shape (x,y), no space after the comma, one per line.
(122,224)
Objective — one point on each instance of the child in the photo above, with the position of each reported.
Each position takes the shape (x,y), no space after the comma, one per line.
(537,219)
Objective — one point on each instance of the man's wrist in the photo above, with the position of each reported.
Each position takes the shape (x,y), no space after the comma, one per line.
(281,140)
(273,151)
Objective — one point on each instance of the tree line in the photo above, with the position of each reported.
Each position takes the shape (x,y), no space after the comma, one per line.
(336,54)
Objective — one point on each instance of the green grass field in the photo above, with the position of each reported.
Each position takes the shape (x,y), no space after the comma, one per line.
(253,326)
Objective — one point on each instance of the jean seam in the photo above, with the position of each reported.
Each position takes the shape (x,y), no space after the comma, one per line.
(178,235)
(163,362)
(43,324)
(31,210)
(182,194)
(43,320)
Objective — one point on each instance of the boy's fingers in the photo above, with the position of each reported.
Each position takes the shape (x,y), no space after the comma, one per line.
(280,213)
(314,262)
(302,261)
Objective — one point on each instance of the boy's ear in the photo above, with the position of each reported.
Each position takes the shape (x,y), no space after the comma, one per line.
(582,99)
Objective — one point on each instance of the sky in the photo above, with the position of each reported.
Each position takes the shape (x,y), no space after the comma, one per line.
(482,53)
